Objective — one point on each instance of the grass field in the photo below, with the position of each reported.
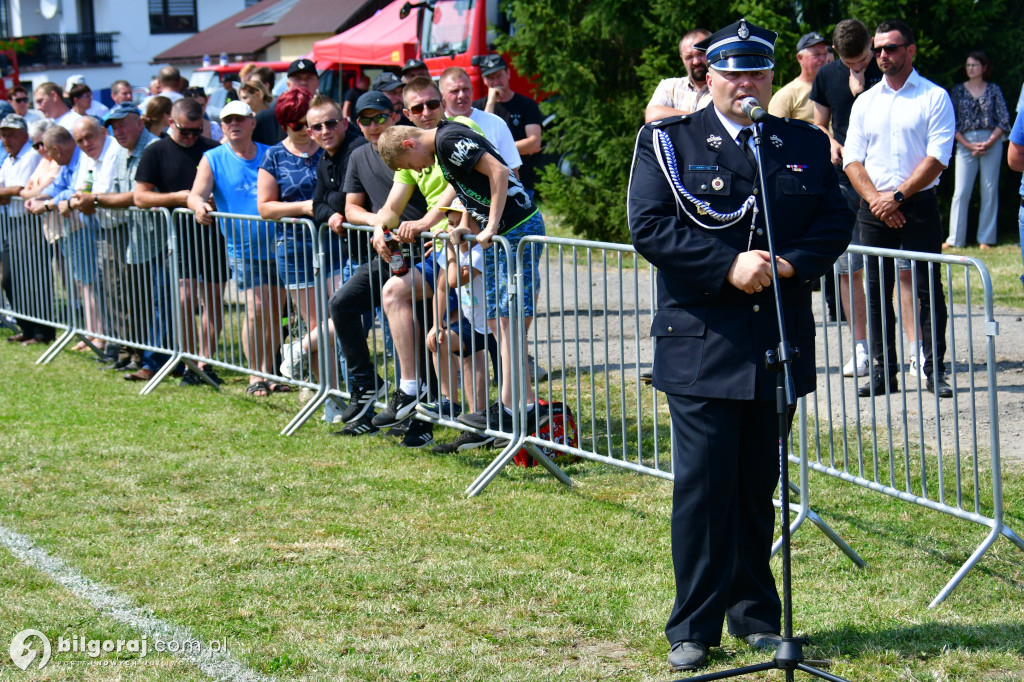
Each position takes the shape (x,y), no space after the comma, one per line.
(317,559)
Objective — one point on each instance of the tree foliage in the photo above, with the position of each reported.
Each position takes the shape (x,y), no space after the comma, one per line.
(603,58)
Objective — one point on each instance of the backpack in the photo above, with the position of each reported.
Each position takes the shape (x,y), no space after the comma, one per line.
(560,428)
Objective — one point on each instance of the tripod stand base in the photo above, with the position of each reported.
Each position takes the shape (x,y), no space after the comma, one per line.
(789,657)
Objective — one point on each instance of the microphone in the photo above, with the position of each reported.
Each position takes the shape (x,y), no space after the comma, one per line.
(753,109)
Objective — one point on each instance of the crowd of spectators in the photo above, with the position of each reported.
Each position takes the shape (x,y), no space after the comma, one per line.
(302,155)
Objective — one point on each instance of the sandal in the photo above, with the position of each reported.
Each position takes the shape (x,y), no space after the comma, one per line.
(259,389)
(280,388)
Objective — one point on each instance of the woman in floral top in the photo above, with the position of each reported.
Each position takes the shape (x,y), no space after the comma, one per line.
(981,122)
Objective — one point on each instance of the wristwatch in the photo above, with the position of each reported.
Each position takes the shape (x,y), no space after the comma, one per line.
(898,196)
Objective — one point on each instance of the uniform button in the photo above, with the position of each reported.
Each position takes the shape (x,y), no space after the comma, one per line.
(756,190)
(703,186)
(757,309)
(759,231)
(670,330)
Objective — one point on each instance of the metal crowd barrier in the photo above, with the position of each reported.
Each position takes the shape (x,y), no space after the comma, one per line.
(32,271)
(911,444)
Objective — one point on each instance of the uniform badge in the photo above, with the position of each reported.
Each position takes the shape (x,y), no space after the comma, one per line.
(714,142)
(774,139)
(717,184)
(743,32)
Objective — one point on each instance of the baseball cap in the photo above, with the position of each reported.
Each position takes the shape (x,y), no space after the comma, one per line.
(72,81)
(809,39)
(302,66)
(456,206)
(120,111)
(413,64)
(372,99)
(491,63)
(235,108)
(386,82)
(14,121)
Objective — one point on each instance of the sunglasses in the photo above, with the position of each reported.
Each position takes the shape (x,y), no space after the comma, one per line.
(188,132)
(367,121)
(892,48)
(431,104)
(329,124)
(38,145)
(297,126)
(20,100)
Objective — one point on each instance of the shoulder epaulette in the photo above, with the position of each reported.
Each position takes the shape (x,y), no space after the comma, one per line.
(670,121)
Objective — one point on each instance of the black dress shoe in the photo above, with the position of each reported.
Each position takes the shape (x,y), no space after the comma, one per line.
(939,387)
(877,386)
(688,655)
(764,640)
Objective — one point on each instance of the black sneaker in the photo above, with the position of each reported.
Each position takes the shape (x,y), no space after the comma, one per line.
(399,407)
(467,441)
(493,417)
(359,427)
(536,419)
(208,371)
(399,429)
(419,435)
(190,378)
(363,398)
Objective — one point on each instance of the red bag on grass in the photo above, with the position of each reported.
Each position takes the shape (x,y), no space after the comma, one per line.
(560,428)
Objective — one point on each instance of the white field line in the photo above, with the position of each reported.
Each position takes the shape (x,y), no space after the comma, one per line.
(218,665)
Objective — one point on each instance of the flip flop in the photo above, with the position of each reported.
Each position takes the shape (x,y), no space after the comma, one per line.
(258,389)
(280,388)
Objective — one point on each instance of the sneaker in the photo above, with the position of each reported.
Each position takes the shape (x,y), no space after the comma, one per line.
(536,371)
(190,378)
(399,429)
(419,435)
(294,361)
(467,441)
(442,409)
(334,410)
(399,407)
(214,377)
(363,398)
(492,417)
(359,427)
(861,362)
(917,366)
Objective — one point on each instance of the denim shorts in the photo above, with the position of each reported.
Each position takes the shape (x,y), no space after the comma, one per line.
(296,258)
(249,274)
(79,249)
(497,275)
(472,340)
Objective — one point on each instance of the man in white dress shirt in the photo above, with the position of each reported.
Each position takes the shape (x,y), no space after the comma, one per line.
(457,92)
(899,142)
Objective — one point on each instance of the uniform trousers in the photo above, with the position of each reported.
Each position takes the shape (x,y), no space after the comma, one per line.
(726,465)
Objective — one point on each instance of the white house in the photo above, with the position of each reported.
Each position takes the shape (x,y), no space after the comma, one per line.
(105,40)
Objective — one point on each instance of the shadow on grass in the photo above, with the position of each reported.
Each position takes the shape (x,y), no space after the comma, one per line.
(921,641)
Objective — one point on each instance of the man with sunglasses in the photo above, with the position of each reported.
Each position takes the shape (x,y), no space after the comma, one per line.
(899,142)
(329,129)
(166,174)
(20,102)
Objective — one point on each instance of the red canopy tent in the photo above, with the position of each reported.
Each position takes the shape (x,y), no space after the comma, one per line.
(383,39)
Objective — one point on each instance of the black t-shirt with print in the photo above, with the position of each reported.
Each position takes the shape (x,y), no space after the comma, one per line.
(519,112)
(458,149)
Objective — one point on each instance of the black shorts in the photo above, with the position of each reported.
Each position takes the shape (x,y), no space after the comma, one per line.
(202,253)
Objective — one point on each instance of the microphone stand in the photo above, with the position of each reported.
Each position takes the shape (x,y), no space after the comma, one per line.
(789,656)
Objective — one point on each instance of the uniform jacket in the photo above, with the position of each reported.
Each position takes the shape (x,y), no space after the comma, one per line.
(710,337)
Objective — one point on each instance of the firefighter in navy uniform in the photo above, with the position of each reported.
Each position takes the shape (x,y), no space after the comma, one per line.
(696,213)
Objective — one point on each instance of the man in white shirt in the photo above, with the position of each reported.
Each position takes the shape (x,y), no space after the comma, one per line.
(899,142)
(49,99)
(677,96)
(26,248)
(457,93)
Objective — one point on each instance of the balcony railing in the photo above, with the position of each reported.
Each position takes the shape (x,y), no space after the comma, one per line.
(69,49)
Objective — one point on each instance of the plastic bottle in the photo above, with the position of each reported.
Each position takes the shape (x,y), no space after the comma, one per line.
(87,187)
(398,265)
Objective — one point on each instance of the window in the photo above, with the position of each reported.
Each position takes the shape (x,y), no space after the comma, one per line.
(172,16)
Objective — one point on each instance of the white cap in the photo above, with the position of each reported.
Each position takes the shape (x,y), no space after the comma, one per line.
(72,81)
(235,108)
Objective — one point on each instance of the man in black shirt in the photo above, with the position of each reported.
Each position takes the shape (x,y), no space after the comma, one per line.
(338,141)
(520,113)
(301,73)
(165,176)
(836,86)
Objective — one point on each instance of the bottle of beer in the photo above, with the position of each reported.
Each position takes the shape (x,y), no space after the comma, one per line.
(398,265)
